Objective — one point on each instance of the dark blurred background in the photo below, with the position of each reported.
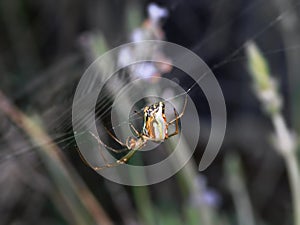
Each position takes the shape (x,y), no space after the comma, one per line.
(45,47)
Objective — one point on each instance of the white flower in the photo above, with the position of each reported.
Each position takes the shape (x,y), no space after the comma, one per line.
(144,70)
(137,35)
(124,57)
(156,13)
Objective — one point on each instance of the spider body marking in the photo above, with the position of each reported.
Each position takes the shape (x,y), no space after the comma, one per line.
(155,122)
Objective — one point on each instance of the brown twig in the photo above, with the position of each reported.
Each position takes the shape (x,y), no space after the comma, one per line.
(55,161)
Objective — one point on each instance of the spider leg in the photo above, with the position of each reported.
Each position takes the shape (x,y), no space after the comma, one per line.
(140,135)
(125,158)
(116,139)
(107,165)
(176,124)
(83,159)
(135,130)
(140,114)
(106,146)
(100,150)
(139,144)
(181,114)
(121,161)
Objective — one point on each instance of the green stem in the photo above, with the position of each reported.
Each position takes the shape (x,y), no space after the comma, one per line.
(294,180)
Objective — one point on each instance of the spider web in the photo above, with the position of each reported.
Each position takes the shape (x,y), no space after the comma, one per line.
(271,23)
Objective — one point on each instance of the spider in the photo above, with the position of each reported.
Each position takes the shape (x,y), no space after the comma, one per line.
(155,128)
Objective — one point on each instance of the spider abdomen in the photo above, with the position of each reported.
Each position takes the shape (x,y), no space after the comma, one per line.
(155,124)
